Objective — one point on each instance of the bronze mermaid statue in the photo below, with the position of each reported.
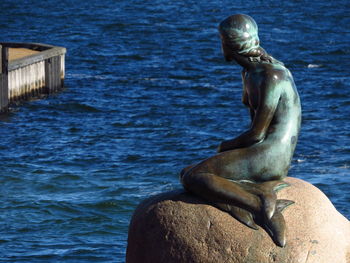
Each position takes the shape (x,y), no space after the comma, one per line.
(244,176)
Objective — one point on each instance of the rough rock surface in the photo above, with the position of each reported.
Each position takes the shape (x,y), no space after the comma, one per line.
(178,227)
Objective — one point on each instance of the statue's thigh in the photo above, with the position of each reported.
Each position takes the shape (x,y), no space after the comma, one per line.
(253,163)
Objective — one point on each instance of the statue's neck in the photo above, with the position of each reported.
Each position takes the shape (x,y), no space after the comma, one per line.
(253,61)
(246,62)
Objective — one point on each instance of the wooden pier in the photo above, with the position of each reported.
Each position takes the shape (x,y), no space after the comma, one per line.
(28,70)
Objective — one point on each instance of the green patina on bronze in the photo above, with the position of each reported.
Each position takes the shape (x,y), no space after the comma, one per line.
(248,170)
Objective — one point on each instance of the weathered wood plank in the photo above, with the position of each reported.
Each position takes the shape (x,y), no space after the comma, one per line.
(18,53)
(37,57)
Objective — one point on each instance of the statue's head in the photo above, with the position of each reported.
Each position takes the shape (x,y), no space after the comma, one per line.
(239,33)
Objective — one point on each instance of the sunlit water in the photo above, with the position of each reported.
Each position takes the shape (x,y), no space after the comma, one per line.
(147,92)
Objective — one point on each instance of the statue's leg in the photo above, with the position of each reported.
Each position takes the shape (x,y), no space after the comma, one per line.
(217,189)
(246,201)
(224,194)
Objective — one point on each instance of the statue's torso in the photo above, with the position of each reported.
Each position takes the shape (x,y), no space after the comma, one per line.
(284,128)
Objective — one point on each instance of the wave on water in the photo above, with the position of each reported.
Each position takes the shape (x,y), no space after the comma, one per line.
(314,65)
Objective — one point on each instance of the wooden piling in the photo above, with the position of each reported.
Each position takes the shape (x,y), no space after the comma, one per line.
(4,99)
(53,74)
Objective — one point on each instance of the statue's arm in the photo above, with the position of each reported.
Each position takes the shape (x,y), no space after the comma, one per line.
(252,114)
(269,97)
(245,101)
(245,98)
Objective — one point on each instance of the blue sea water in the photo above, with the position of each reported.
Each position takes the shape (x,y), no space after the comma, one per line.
(147,92)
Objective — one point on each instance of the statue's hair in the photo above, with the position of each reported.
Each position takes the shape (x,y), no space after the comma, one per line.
(241,33)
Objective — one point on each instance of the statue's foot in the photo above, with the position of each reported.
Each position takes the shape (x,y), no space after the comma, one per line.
(282,204)
(240,214)
(276,225)
(267,193)
(243,216)
(270,218)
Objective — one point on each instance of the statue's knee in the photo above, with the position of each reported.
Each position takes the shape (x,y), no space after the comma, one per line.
(189,180)
(185,171)
(196,180)
(184,178)
(182,174)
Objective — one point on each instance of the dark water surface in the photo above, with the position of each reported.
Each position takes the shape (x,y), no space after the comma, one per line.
(147,93)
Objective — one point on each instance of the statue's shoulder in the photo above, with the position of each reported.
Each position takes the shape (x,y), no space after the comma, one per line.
(276,72)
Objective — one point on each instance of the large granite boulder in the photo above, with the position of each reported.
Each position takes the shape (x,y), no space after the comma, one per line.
(178,227)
